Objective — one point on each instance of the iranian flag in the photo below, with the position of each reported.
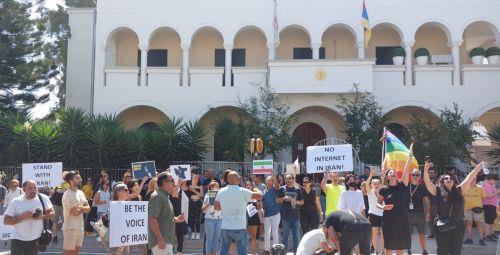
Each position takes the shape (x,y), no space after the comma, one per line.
(263,166)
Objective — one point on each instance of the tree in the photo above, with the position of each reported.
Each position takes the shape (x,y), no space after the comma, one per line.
(73,124)
(446,139)
(270,120)
(24,70)
(494,136)
(230,139)
(364,123)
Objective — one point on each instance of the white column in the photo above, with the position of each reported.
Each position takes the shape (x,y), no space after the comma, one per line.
(144,63)
(228,67)
(408,63)
(455,51)
(361,49)
(271,51)
(315,50)
(100,65)
(185,64)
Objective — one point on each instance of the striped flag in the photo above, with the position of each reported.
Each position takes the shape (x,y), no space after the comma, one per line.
(263,166)
(365,22)
(396,154)
(275,23)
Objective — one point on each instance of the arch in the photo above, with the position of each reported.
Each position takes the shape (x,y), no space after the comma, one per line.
(159,27)
(306,134)
(253,40)
(202,27)
(252,25)
(149,103)
(299,105)
(300,26)
(392,24)
(438,23)
(491,24)
(121,47)
(411,103)
(339,41)
(343,24)
(109,34)
(484,109)
(223,103)
(140,115)
(326,119)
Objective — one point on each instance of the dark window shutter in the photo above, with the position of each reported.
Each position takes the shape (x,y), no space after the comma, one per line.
(220,57)
(302,53)
(322,53)
(138,57)
(383,55)
(158,57)
(239,57)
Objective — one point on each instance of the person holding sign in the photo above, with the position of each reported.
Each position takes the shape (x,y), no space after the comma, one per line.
(213,220)
(161,230)
(74,205)
(26,215)
(289,197)
(332,191)
(253,220)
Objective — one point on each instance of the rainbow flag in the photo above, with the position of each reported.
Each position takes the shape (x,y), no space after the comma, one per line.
(365,22)
(396,154)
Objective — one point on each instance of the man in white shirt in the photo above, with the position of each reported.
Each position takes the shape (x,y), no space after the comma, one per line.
(352,199)
(74,205)
(315,241)
(12,193)
(26,216)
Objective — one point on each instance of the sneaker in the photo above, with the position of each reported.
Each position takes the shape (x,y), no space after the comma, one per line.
(197,236)
(54,239)
(408,252)
(481,242)
(468,241)
(192,236)
(267,253)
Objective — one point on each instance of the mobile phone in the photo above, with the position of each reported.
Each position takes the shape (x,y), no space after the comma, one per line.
(428,159)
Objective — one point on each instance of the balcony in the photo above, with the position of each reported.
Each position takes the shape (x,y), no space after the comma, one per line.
(481,76)
(320,76)
(247,77)
(163,78)
(126,78)
(431,76)
(206,77)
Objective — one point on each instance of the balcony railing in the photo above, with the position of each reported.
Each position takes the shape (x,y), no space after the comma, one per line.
(163,77)
(121,77)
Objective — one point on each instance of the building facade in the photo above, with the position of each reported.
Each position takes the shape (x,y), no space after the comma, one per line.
(151,60)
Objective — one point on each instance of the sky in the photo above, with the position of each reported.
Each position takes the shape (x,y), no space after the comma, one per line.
(41,110)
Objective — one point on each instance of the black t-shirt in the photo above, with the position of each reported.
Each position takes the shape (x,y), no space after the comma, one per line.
(56,198)
(340,219)
(399,197)
(309,201)
(444,203)
(287,211)
(419,192)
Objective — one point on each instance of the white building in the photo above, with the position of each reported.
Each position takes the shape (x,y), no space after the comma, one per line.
(191,44)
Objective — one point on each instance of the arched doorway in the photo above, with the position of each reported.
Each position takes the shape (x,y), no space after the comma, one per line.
(306,134)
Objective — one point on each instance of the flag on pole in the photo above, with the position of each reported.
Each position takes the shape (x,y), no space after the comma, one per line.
(263,166)
(275,23)
(365,22)
(297,165)
(396,154)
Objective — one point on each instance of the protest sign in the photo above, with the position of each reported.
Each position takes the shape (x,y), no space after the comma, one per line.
(212,194)
(128,223)
(181,172)
(337,158)
(263,166)
(5,230)
(141,169)
(184,206)
(44,174)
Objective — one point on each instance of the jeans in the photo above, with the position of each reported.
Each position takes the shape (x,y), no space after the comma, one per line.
(322,201)
(295,226)
(271,225)
(212,234)
(240,237)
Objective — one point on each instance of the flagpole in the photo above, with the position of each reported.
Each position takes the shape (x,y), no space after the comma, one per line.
(383,151)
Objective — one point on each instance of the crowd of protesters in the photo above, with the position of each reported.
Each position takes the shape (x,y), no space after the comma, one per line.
(328,213)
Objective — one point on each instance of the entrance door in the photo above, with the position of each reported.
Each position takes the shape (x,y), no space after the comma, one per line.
(306,134)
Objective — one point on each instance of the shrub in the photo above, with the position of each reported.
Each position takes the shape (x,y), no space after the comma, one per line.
(493,51)
(421,52)
(478,51)
(398,52)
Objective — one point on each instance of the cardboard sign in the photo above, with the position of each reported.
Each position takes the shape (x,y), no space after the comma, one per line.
(128,223)
(5,230)
(337,158)
(212,194)
(181,172)
(263,166)
(44,174)
(141,169)
(184,206)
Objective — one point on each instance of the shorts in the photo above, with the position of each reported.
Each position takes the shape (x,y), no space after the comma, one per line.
(72,239)
(417,219)
(375,220)
(472,216)
(490,214)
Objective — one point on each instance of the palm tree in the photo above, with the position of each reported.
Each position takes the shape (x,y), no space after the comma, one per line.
(103,141)
(7,122)
(166,141)
(494,136)
(138,144)
(73,124)
(21,145)
(45,136)
(195,144)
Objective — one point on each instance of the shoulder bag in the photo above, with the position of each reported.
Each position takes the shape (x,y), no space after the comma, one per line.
(46,236)
(445,224)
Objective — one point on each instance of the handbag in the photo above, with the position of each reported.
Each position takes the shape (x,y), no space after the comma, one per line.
(445,224)
(100,226)
(46,236)
(477,210)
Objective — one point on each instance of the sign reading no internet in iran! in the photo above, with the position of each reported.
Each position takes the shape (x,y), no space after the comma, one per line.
(337,158)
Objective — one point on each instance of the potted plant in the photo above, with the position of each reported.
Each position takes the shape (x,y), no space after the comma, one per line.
(422,56)
(493,55)
(477,55)
(398,55)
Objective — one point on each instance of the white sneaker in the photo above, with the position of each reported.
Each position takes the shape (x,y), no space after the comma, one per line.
(193,236)
(197,236)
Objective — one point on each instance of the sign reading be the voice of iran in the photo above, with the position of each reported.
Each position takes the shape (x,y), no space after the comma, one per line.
(128,223)
(337,158)
(44,174)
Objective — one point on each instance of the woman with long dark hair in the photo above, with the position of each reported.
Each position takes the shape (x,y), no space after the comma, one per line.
(310,213)
(195,195)
(449,223)
(394,200)
(176,200)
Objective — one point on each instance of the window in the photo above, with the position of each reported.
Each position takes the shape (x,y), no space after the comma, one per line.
(383,55)
(306,53)
(156,57)
(238,57)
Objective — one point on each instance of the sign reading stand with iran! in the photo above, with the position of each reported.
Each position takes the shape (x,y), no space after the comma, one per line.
(44,174)
(128,223)
(336,158)
(263,166)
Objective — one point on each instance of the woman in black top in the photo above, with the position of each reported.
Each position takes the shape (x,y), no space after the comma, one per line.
(195,195)
(310,212)
(395,223)
(180,227)
(450,205)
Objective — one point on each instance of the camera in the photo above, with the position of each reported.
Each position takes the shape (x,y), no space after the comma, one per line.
(37,213)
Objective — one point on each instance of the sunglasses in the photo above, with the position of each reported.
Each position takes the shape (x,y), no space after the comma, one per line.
(288,178)
(306,182)
(447,178)
(169,180)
